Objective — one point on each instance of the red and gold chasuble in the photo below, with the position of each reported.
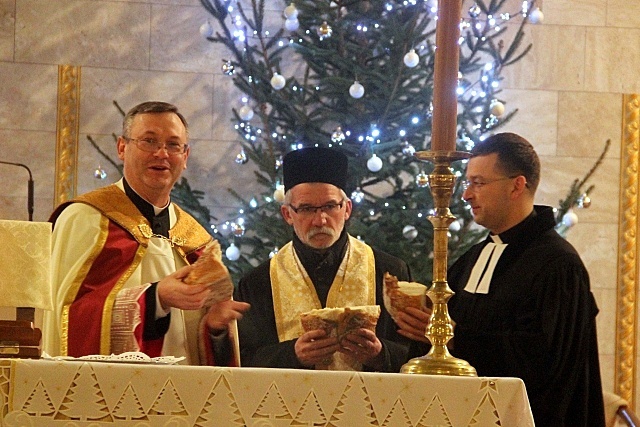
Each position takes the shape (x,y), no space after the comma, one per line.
(98,313)
(294,293)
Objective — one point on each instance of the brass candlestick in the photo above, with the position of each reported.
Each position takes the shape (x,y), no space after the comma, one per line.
(440,330)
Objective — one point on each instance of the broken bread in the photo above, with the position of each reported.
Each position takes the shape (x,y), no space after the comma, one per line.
(210,270)
(399,295)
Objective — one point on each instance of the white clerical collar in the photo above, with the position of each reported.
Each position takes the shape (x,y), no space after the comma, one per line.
(482,271)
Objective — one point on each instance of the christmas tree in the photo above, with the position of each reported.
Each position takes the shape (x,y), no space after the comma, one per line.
(358,76)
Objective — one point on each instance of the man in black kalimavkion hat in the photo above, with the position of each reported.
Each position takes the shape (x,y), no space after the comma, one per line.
(323,266)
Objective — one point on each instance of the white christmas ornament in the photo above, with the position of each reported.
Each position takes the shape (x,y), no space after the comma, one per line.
(455,226)
(278,194)
(570,219)
(536,16)
(497,108)
(206,30)
(356,90)
(411,59)
(232,252)
(246,113)
(409,232)
(292,24)
(277,81)
(374,164)
(290,11)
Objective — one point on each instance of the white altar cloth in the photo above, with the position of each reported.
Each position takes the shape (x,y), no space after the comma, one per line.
(74,393)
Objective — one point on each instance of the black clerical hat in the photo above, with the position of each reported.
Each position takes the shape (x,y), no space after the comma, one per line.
(315,164)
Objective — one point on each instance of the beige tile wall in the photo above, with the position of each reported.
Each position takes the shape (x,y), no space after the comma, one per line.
(568,90)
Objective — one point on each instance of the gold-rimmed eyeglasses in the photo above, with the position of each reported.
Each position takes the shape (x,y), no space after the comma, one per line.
(306,210)
(151,145)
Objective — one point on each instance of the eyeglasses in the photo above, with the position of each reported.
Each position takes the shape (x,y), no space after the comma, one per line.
(151,145)
(477,184)
(329,208)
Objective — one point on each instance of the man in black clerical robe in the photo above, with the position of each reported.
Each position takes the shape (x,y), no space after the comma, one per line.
(323,266)
(522,305)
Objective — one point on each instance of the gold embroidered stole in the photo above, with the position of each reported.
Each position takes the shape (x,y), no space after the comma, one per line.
(294,293)
(187,235)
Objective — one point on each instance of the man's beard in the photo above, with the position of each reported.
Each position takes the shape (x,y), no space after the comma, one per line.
(321,230)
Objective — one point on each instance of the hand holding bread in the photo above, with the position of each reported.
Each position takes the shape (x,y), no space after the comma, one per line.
(210,270)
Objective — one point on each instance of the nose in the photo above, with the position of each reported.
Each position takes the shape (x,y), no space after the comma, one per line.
(319,217)
(162,151)
(467,194)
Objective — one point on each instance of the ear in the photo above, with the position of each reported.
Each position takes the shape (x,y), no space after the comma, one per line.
(348,209)
(285,211)
(520,186)
(186,156)
(120,144)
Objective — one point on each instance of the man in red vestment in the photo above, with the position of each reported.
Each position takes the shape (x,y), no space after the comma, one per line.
(120,254)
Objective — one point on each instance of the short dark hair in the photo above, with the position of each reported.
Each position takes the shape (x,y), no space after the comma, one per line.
(516,156)
(150,107)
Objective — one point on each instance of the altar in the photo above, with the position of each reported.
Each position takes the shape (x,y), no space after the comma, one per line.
(79,393)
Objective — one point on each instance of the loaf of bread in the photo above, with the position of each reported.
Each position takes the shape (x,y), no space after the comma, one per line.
(339,321)
(399,295)
(210,270)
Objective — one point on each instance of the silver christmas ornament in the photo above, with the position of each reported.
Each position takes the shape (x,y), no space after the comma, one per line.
(237,229)
(422,180)
(584,201)
(570,219)
(356,90)
(100,173)
(206,30)
(409,232)
(241,158)
(325,31)
(536,16)
(374,164)
(246,112)
(411,58)
(227,68)
(291,24)
(408,149)
(497,108)
(338,136)
(232,252)
(278,81)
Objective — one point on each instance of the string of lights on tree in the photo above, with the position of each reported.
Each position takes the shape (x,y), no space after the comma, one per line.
(356,76)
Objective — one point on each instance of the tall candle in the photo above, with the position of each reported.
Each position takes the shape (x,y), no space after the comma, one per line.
(447,63)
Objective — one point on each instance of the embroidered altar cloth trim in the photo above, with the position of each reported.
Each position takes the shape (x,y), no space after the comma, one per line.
(51,393)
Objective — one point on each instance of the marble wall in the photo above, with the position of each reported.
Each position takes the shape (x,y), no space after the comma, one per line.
(569,89)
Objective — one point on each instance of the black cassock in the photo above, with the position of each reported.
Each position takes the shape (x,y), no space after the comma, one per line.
(537,322)
(258,335)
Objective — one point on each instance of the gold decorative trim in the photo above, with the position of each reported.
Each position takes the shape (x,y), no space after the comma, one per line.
(627,312)
(67,133)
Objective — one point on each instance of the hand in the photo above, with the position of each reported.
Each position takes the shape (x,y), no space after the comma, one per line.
(413,323)
(222,313)
(315,348)
(364,346)
(173,292)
